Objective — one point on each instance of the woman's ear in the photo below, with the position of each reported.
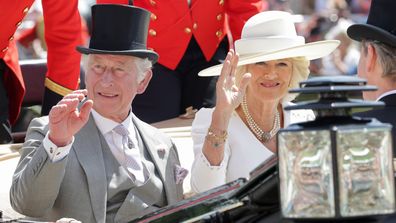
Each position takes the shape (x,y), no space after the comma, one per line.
(144,83)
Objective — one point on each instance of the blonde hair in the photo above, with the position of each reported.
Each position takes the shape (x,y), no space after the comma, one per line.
(300,73)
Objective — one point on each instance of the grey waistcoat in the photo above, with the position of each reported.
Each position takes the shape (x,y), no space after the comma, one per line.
(126,200)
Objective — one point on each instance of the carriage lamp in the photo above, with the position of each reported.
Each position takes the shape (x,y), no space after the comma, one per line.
(337,166)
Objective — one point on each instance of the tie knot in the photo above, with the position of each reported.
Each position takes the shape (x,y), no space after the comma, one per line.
(120,129)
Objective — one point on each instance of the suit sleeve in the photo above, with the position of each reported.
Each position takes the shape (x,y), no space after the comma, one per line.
(238,12)
(63,33)
(36,180)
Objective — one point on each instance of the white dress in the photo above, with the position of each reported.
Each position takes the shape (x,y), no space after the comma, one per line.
(243,151)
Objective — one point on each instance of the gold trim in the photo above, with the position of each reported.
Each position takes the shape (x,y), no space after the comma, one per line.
(56,87)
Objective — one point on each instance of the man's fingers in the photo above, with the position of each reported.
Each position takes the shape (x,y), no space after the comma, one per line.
(86,109)
(57,109)
(71,103)
(80,91)
(64,107)
(57,113)
(79,96)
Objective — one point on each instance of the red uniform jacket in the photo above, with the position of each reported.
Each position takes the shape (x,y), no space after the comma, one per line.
(62,34)
(173,22)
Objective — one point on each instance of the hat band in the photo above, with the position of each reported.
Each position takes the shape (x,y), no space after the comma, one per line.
(266,45)
(116,46)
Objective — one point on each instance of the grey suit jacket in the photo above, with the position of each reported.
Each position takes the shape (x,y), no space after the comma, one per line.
(76,186)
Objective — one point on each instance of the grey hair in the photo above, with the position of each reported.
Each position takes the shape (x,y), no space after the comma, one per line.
(386,57)
(300,73)
(142,65)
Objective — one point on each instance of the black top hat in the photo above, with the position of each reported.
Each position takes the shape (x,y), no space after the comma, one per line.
(120,30)
(381,24)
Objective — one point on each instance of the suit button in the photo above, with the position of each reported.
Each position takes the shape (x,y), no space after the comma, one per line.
(221,2)
(195,25)
(153,3)
(11,38)
(25,10)
(5,49)
(18,24)
(219,17)
(219,33)
(153,16)
(187,30)
(152,32)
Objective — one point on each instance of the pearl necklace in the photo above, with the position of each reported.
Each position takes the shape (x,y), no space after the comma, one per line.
(260,134)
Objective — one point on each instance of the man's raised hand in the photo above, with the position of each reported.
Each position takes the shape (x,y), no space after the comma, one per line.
(65,119)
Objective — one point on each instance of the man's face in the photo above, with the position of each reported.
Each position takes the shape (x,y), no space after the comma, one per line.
(112,84)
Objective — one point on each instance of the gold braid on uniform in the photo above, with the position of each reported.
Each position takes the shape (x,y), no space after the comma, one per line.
(59,89)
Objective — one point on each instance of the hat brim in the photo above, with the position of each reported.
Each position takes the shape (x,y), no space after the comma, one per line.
(311,51)
(151,55)
(359,32)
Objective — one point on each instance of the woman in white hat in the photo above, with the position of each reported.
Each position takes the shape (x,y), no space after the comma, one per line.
(237,135)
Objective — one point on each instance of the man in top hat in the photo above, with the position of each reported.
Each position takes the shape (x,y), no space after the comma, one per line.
(377,61)
(92,159)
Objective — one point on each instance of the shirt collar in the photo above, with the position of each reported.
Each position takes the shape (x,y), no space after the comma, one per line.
(106,125)
(386,94)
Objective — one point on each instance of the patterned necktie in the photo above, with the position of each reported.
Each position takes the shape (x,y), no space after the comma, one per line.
(132,161)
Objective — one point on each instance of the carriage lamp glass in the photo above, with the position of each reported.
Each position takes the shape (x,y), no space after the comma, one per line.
(306,180)
(363,160)
(336,166)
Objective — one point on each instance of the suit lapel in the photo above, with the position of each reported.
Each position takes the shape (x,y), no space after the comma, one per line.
(162,161)
(151,145)
(88,148)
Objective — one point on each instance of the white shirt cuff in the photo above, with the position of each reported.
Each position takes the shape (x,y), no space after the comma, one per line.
(54,152)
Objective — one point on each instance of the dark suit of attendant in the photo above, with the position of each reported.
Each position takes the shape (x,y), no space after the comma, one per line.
(385,115)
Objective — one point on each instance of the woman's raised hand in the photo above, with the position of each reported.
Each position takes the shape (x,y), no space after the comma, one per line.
(228,97)
(228,94)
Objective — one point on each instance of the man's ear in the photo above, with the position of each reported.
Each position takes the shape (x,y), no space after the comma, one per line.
(144,83)
(371,58)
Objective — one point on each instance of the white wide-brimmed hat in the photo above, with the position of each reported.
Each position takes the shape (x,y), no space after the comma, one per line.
(271,35)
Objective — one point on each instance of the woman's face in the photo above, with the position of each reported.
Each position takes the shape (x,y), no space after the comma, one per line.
(270,79)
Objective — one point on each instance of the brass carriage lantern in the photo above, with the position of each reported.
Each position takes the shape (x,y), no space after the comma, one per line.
(337,166)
